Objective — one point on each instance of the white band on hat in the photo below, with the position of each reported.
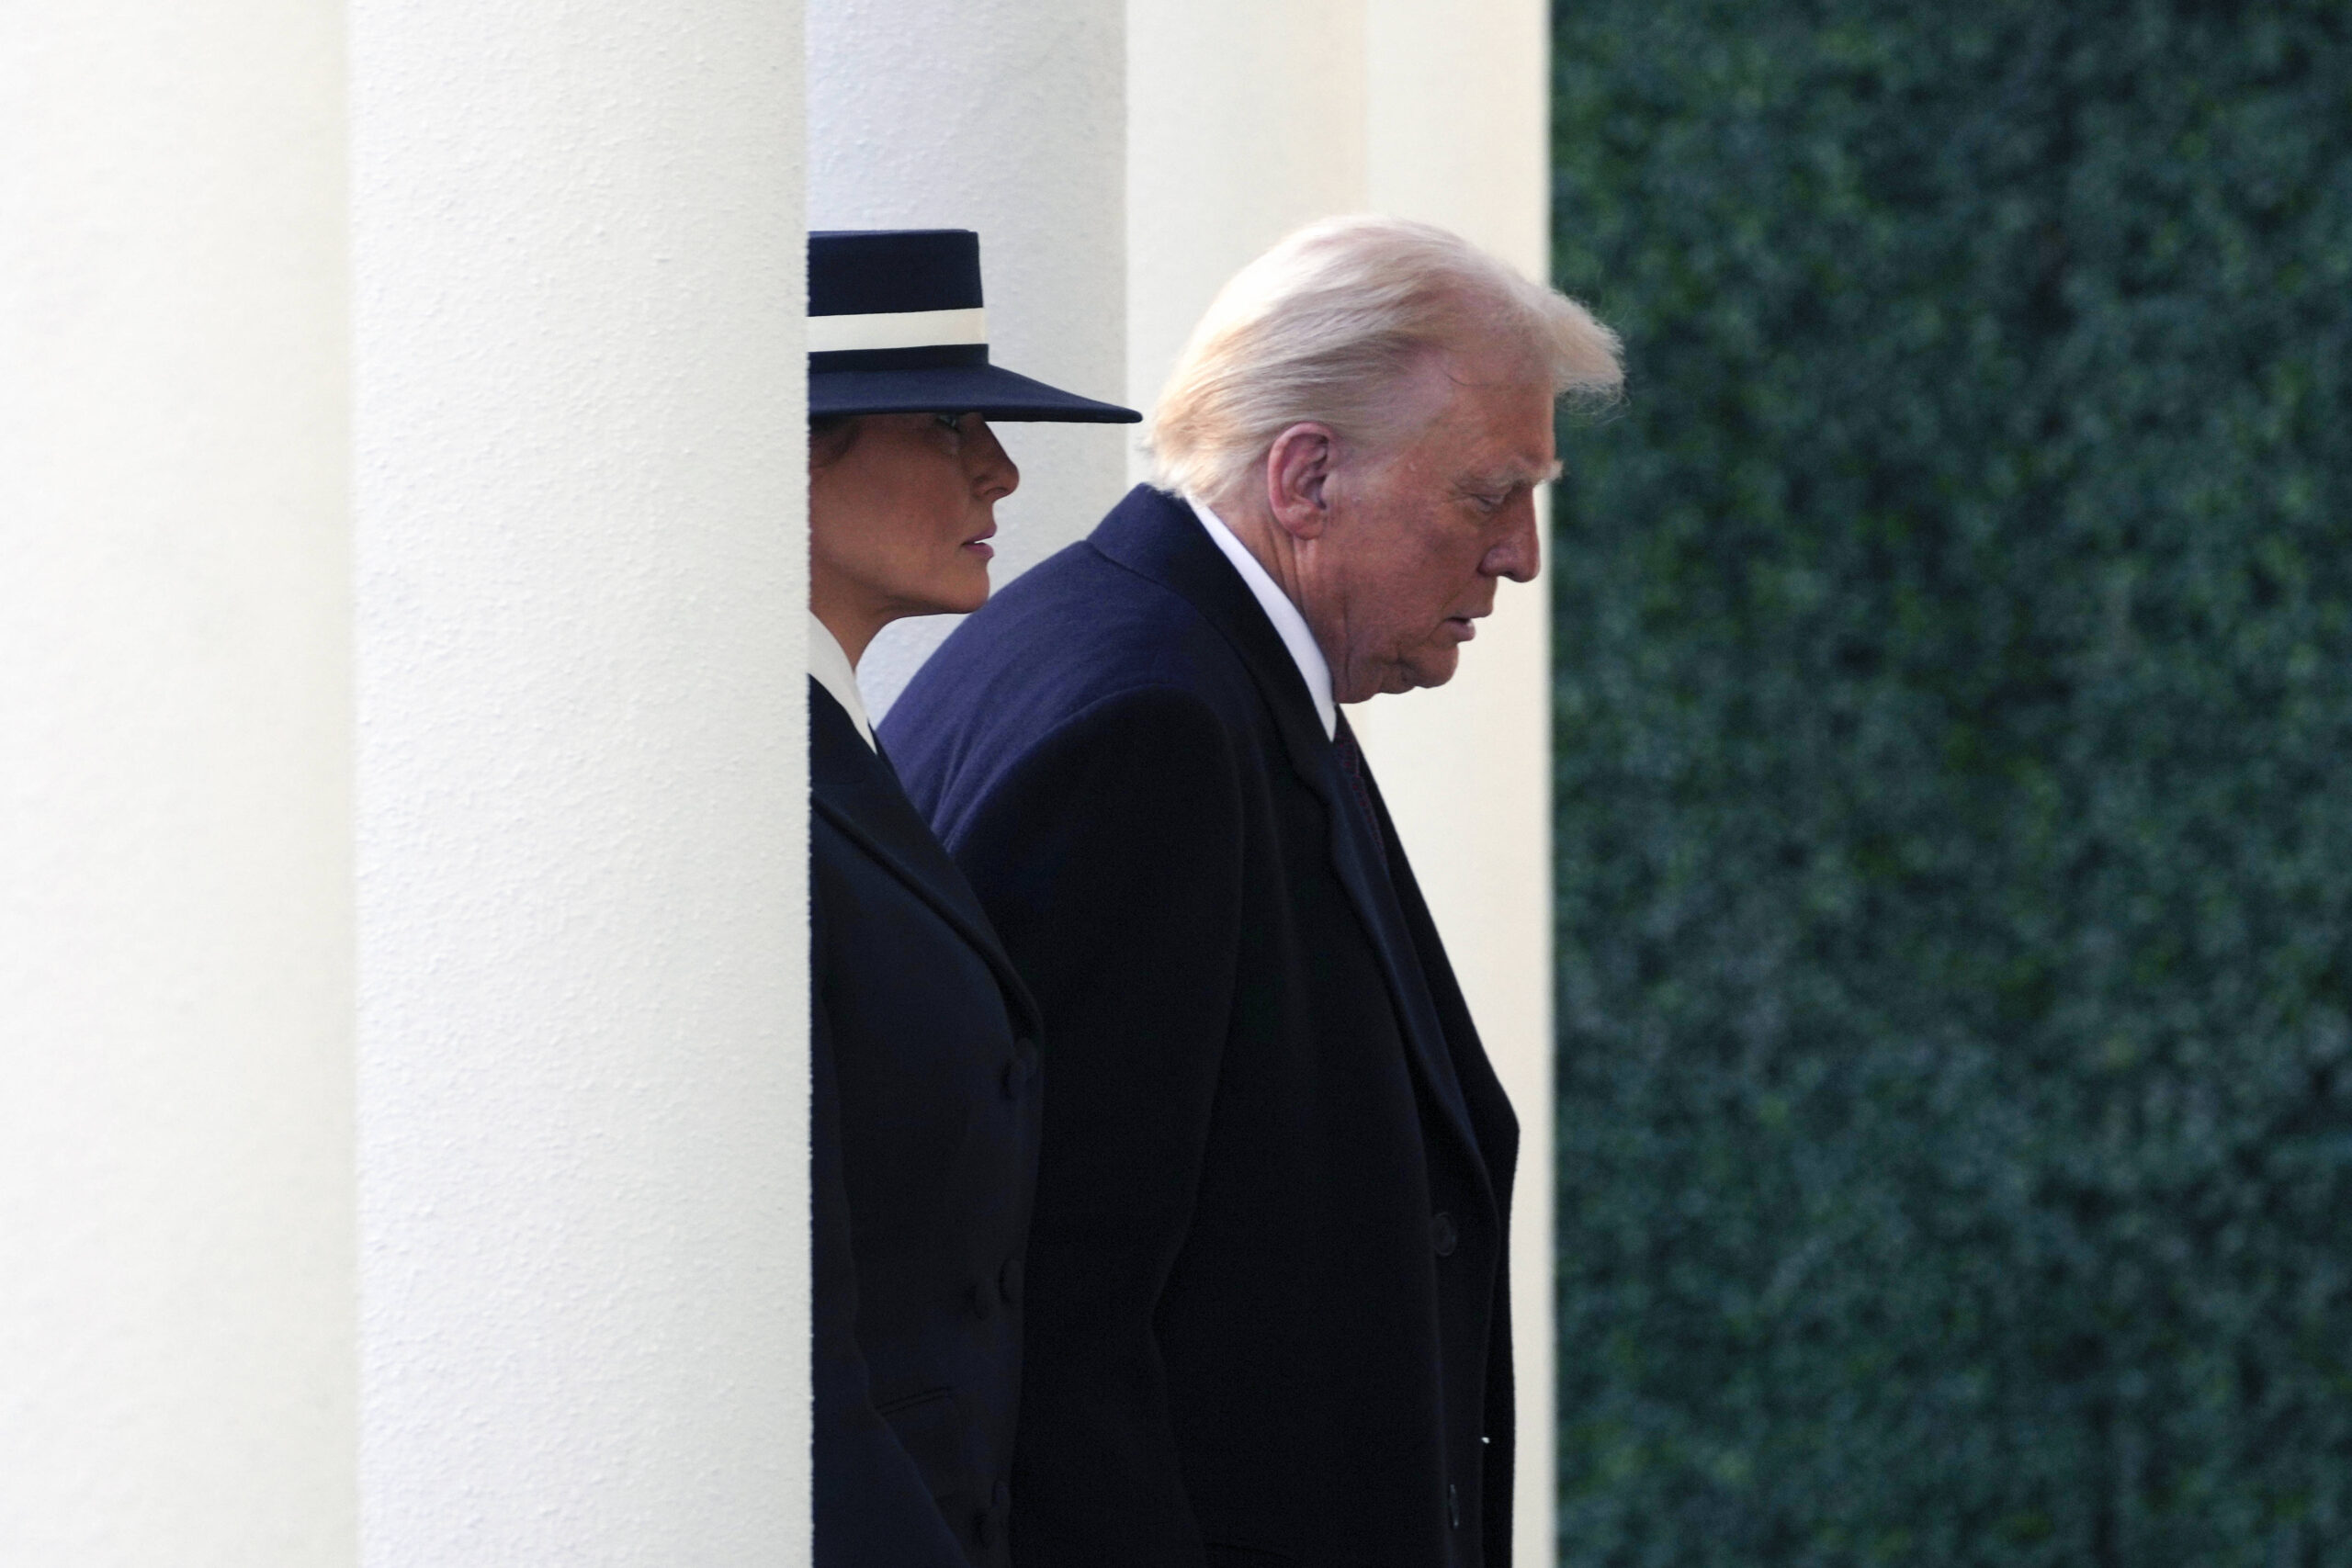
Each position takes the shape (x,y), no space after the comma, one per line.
(897,329)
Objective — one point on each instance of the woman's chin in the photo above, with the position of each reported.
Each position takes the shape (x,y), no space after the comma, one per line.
(974,585)
(967,594)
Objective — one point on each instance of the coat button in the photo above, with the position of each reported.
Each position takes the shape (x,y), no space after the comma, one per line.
(1452,1505)
(987,1524)
(1021,1068)
(1008,1281)
(1442,1234)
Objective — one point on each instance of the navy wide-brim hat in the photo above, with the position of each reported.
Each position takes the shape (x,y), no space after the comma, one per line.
(896,326)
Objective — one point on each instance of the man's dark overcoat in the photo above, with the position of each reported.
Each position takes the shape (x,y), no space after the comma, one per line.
(1267,1311)
(924,1137)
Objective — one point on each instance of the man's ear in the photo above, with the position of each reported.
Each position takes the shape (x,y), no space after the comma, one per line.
(1298,471)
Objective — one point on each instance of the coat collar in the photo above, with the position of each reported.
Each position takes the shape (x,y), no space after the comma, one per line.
(1156,536)
(852,785)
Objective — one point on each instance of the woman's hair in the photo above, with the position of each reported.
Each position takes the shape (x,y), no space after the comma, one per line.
(1330,324)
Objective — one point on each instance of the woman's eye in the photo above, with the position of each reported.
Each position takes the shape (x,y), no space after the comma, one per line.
(954,421)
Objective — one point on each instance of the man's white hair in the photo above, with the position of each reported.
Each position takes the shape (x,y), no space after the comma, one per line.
(1328,326)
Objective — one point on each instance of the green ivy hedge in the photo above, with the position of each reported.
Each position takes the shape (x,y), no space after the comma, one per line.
(1954,733)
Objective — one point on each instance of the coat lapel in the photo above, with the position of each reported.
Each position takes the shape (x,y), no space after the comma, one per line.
(1156,536)
(853,788)
(1450,1017)
(1370,876)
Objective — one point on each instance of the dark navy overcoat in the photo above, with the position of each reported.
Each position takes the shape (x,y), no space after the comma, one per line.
(923,1137)
(1268,1285)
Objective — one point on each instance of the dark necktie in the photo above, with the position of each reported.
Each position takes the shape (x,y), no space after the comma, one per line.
(1343,741)
(1416,1010)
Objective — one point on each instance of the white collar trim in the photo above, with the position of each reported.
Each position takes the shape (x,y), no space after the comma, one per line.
(1289,625)
(830,664)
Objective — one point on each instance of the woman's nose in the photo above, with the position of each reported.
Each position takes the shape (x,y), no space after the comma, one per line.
(994,473)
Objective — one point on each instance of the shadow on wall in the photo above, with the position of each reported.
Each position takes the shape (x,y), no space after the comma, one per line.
(1954,710)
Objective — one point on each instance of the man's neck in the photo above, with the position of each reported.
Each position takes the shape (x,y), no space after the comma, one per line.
(1268,544)
(852,622)
(1280,604)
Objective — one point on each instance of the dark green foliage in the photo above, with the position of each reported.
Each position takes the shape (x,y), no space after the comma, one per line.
(1955,785)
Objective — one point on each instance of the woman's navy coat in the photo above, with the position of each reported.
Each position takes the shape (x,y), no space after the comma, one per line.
(924,1127)
(1268,1286)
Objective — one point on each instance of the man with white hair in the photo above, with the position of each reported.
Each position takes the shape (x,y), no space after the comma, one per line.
(1266,1284)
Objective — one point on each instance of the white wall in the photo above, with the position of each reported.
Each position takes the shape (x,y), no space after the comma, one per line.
(175,1178)
(1247,117)
(580,411)
(1009,119)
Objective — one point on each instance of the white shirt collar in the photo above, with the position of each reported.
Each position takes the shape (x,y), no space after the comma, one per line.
(831,666)
(1288,623)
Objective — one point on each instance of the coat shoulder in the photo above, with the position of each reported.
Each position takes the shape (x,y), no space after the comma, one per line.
(1076,636)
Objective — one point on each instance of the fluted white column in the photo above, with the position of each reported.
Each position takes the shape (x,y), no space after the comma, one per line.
(1008,118)
(579,413)
(175,1149)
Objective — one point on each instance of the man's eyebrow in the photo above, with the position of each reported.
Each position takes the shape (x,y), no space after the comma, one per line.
(1513,475)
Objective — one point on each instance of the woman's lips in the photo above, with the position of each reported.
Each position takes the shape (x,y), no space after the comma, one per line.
(982,548)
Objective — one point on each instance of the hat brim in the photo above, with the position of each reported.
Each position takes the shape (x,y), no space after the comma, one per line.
(989,390)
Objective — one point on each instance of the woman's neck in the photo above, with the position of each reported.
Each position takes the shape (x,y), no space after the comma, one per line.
(853,624)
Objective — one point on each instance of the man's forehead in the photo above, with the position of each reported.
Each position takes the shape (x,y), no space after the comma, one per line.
(1504,429)
(1480,419)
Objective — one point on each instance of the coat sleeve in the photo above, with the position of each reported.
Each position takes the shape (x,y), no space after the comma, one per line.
(871,1505)
(1110,861)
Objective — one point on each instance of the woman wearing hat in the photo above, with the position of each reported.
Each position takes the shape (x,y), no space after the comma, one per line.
(923,1043)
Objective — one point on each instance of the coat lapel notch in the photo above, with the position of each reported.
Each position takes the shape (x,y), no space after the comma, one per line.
(1155,535)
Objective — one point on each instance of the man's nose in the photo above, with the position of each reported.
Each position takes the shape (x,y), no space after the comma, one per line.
(1519,554)
(994,473)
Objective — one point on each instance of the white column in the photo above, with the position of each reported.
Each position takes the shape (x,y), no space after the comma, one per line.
(1460,135)
(175,1175)
(1247,118)
(1007,117)
(580,425)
